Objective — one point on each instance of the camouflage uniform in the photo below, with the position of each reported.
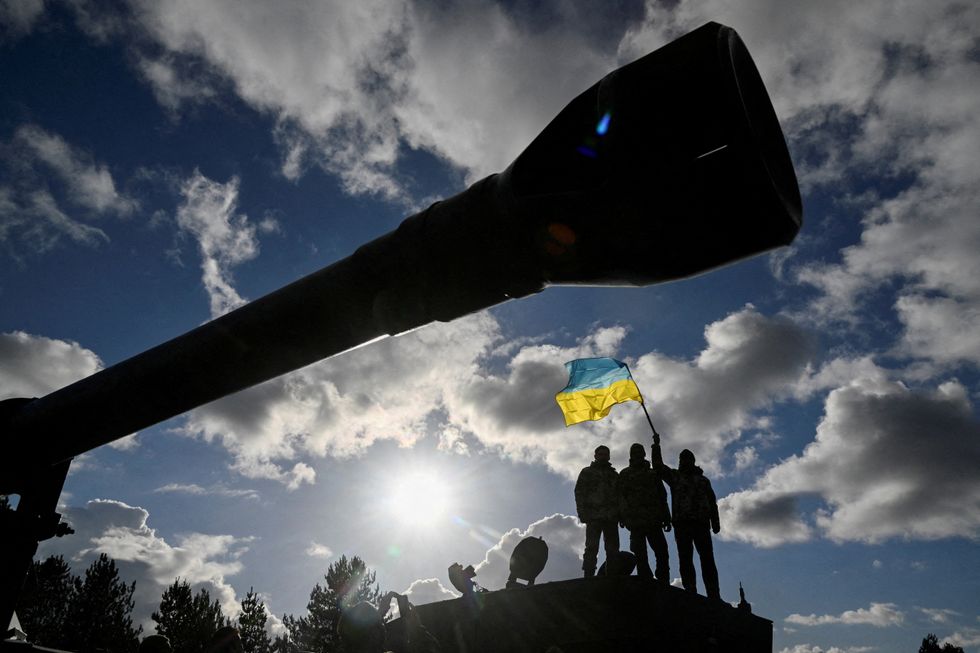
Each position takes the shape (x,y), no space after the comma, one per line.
(695,510)
(597,503)
(644,512)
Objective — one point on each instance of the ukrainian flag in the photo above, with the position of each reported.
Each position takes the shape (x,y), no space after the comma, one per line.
(595,385)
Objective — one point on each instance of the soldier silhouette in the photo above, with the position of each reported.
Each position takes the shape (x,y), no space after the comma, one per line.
(695,511)
(597,503)
(644,513)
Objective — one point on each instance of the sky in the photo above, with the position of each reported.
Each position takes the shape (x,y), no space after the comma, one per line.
(163,162)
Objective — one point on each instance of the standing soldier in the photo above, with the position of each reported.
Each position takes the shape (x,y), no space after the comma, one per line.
(597,503)
(695,510)
(644,512)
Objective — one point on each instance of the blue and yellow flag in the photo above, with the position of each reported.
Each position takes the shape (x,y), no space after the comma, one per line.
(595,385)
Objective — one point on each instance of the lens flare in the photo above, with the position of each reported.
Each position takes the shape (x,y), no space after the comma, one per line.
(603,125)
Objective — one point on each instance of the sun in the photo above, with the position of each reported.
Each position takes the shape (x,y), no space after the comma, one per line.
(419,498)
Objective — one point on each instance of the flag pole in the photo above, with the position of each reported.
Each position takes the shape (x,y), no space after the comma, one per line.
(643,404)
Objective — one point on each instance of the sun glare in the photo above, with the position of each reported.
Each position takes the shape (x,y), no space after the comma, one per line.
(419,498)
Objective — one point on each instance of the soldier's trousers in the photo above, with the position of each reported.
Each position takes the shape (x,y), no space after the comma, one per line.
(688,535)
(609,530)
(639,537)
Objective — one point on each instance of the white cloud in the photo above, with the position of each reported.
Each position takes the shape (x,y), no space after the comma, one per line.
(90,184)
(122,532)
(317,550)
(218,489)
(855,86)
(33,218)
(939,615)
(224,239)
(341,406)
(880,615)
(749,362)
(18,17)
(42,171)
(170,87)
(966,638)
(351,84)
(809,648)
(565,537)
(745,458)
(887,462)
(428,590)
(33,366)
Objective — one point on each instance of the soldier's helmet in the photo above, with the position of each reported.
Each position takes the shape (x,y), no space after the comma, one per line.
(687,457)
(637,451)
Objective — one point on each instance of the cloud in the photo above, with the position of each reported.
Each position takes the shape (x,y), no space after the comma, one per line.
(809,648)
(565,537)
(218,489)
(122,532)
(353,86)
(317,550)
(224,239)
(43,172)
(18,17)
(428,590)
(485,395)
(90,184)
(749,362)
(33,366)
(880,615)
(855,88)
(939,615)
(969,637)
(342,405)
(887,461)
(173,89)
(33,218)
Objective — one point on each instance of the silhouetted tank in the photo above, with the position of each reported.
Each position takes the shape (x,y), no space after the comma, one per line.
(668,167)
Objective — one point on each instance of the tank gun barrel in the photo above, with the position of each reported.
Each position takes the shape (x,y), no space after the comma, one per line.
(667,167)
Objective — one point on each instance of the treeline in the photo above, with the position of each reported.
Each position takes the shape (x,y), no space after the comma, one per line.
(94,612)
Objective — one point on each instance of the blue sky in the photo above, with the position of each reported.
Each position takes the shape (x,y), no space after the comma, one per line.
(163,162)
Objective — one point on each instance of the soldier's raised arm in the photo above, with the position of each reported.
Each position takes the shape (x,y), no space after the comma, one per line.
(657,461)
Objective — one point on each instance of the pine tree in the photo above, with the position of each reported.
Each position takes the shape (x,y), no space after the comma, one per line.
(100,614)
(281,644)
(930,644)
(43,604)
(348,582)
(188,620)
(251,625)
